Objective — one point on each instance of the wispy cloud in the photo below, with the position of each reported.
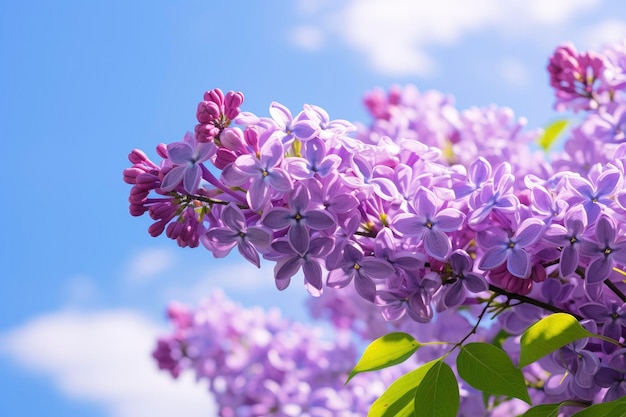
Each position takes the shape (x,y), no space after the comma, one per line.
(597,35)
(396,36)
(149,263)
(105,358)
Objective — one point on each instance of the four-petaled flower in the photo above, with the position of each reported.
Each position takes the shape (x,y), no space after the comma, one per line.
(186,157)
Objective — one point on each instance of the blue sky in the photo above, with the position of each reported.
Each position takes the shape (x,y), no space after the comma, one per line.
(83,82)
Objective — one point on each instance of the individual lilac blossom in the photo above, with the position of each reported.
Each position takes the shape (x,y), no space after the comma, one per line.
(314,161)
(429,222)
(569,238)
(263,172)
(608,124)
(477,174)
(362,269)
(578,367)
(608,250)
(235,232)
(187,157)
(547,205)
(328,129)
(461,278)
(343,236)
(497,195)
(333,195)
(413,298)
(299,218)
(595,193)
(501,248)
(612,375)
(289,263)
(611,315)
(289,127)
(403,260)
(364,177)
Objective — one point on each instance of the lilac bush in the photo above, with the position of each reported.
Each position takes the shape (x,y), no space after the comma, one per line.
(423,222)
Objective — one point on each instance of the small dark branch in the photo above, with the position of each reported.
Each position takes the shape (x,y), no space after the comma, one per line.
(480,317)
(616,290)
(524,299)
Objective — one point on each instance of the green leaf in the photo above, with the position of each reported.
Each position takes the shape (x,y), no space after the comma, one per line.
(397,400)
(389,350)
(551,134)
(615,408)
(543,410)
(438,394)
(488,368)
(548,335)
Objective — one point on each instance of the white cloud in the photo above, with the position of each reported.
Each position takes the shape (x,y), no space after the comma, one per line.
(105,358)
(396,35)
(596,36)
(513,72)
(149,263)
(307,37)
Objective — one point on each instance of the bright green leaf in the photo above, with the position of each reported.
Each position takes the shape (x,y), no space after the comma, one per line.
(488,368)
(615,408)
(438,394)
(551,134)
(548,335)
(543,410)
(388,350)
(397,400)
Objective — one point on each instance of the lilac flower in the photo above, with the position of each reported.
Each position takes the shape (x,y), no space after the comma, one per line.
(608,249)
(578,367)
(477,174)
(362,269)
(187,157)
(612,317)
(493,196)
(595,194)
(298,218)
(413,298)
(236,232)
(429,223)
(608,124)
(328,128)
(264,173)
(462,278)
(299,128)
(290,262)
(314,161)
(364,177)
(568,238)
(612,376)
(547,205)
(500,247)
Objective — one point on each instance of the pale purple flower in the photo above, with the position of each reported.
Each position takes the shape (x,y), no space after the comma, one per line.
(263,172)
(605,252)
(497,195)
(187,157)
(299,218)
(608,124)
(612,317)
(314,161)
(236,232)
(612,376)
(429,222)
(578,367)
(462,278)
(501,248)
(289,127)
(478,174)
(569,238)
(365,177)
(595,193)
(290,262)
(413,298)
(362,269)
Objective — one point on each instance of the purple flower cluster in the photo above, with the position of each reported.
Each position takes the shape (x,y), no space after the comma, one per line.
(259,364)
(423,210)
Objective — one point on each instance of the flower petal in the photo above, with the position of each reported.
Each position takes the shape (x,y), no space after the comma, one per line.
(518,263)
(437,244)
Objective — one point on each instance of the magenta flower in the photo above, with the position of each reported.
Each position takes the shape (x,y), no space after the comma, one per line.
(236,232)
(428,223)
(263,173)
(187,157)
(501,248)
